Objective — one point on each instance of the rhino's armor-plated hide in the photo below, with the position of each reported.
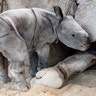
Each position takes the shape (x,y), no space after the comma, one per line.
(25,29)
(31,24)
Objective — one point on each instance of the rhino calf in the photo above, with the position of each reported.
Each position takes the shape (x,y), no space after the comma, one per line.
(25,30)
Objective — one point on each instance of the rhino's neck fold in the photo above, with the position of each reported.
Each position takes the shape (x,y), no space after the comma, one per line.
(31,44)
(46,24)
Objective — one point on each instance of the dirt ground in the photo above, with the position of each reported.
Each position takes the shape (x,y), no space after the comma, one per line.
(40,90)
(83,84)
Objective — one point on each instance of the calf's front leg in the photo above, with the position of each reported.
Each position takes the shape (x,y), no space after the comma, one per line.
(43,54)
(33,63)
(39,56)
(55,76)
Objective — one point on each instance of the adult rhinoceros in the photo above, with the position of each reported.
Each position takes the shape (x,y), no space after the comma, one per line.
(56,76)
(22,30)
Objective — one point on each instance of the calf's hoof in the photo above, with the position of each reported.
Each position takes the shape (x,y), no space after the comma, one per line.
(4,79)
(32,73)
(22,87)
(51,77)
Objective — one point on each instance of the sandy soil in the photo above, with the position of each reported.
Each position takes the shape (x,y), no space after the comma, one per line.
(40,90)
(83,84)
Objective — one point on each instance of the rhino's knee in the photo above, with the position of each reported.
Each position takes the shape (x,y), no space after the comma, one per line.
(20,56)
(16,69)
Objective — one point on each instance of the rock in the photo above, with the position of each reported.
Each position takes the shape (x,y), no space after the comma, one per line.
(3,7)
(46,4)
(86,17)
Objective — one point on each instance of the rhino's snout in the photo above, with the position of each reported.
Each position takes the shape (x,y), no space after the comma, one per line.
(86,44)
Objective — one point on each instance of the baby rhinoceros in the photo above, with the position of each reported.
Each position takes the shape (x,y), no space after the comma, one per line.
(22,30)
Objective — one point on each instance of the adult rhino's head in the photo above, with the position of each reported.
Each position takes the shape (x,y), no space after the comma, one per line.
(70,32)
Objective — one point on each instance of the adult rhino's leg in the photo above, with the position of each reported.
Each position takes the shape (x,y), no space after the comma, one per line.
(56,76)
(17,71)
(33,60)
(4,78)
(43,54)
(77,63)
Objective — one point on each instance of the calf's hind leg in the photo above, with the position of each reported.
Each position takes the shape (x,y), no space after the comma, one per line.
(4,78)
(17,71)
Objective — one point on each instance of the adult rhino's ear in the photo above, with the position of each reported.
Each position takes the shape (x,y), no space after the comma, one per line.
(58,12)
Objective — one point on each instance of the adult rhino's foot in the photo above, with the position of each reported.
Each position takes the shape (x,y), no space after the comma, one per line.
(4,79)
(21,86)
(51,77)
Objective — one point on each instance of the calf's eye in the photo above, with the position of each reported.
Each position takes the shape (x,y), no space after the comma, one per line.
(73,35)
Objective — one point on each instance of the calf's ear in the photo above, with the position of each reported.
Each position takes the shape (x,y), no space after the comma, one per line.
(58,12)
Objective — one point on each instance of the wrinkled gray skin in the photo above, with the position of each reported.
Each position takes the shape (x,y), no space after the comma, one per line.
(22,30)
(57,75)
(86,17)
